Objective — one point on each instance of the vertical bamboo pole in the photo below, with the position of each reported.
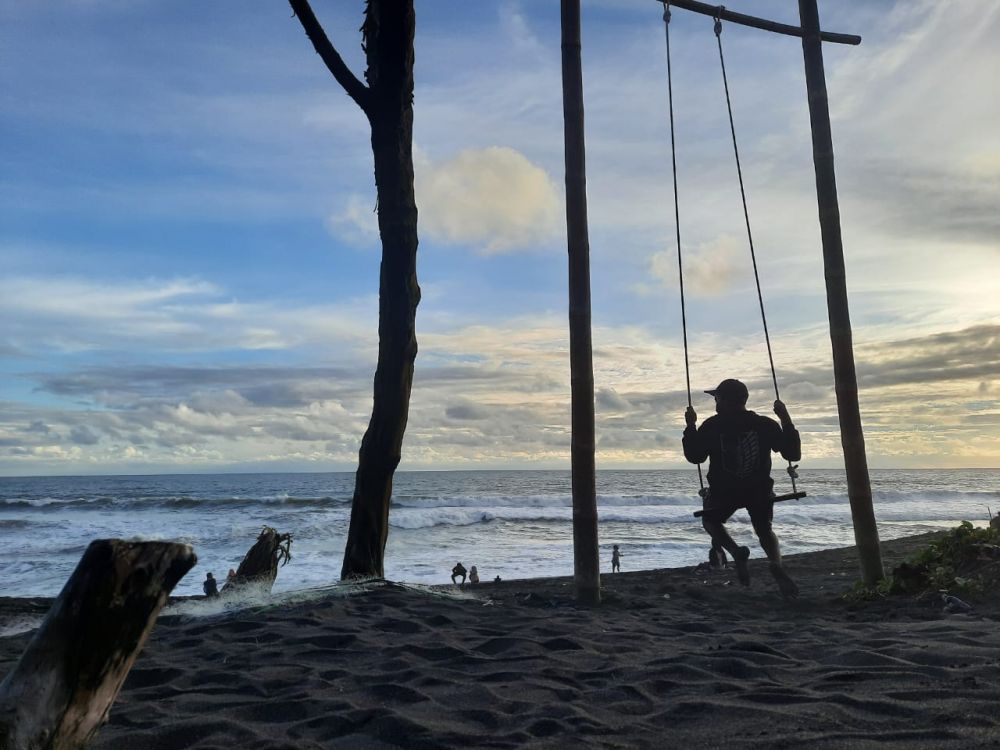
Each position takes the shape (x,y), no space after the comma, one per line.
(586,563)
(851,435)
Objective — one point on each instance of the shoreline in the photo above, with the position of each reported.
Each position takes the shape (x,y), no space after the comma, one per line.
(675,657)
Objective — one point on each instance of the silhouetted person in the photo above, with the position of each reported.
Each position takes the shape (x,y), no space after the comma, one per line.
(473,575)
(616,559)
(738,445)
(458,571)
(231,577)
(210,587)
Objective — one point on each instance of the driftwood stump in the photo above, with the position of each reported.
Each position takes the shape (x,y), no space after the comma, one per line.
(260,565)
(60,691)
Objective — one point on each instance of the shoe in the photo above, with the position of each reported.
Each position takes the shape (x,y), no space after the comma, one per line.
(741,559)
(786,585)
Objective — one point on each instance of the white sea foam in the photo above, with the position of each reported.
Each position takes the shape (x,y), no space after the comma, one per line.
(512,524)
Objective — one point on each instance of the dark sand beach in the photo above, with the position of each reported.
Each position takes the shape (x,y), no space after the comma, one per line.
(676,658)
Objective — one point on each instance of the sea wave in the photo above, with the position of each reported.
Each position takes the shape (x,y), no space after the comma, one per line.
(14,523)
(426,519)
(175,502)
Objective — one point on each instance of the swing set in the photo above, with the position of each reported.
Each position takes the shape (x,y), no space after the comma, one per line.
(792,469)
(585,545)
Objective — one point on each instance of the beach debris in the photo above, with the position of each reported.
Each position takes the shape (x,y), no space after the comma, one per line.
(260,564)
(952,605)
(60,691)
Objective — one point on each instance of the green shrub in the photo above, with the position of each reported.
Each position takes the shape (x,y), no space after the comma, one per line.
(965,560)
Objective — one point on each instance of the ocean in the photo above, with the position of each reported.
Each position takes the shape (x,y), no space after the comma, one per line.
(514,524)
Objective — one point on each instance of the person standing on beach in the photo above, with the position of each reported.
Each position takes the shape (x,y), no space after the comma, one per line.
(738,445)
(210,587)
(457,571)
(616,559)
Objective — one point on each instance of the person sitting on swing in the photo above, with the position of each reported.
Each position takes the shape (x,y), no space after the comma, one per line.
(738,445)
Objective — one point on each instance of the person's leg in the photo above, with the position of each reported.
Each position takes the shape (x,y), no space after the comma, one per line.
(761,516)
(714,522)
(717,556)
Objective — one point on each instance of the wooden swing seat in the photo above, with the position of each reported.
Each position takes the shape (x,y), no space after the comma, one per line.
(776,498)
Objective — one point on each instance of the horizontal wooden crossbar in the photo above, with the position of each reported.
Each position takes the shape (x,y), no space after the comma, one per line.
(718,11)
(776,498)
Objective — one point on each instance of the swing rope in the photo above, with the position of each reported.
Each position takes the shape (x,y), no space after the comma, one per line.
(792,473)
(677,222)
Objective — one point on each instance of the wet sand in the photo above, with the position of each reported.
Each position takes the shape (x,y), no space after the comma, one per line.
(677,658)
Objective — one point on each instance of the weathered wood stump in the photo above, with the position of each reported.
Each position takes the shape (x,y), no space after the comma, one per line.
(260,565)
(60,691)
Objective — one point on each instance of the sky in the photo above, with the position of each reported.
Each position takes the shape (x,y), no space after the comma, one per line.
(189,252)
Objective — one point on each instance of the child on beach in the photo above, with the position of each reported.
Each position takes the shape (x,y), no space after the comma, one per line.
(738,445)
(616,559)
(457,571)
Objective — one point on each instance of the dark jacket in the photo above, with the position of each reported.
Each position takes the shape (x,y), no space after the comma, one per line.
(739,447)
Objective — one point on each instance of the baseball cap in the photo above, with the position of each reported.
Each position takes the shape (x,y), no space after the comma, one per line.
(730,388)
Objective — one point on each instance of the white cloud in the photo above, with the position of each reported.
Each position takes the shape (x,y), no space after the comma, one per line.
(172,315)
(355,221)
(709,270)
(493,198)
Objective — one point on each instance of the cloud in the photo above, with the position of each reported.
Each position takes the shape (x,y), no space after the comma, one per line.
(172,315)
(608,400)
(492,198)
(466,412)
(83,436)
(508,405)
(355,221)
(911,121)
(709,269)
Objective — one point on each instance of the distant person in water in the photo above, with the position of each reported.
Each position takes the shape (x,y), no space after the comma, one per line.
(210,587)
(458,571)
(473,575)
(616,559)
(738,445)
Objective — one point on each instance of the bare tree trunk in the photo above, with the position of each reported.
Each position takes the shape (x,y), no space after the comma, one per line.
(260,564)
(388,101)
(389,44)
(60,691)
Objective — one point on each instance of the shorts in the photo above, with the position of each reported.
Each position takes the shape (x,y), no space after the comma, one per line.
(760,506)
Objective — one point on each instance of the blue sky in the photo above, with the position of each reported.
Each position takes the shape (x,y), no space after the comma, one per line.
(189,255)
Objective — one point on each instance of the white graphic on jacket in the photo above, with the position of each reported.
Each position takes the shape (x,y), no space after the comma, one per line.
(740,453)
